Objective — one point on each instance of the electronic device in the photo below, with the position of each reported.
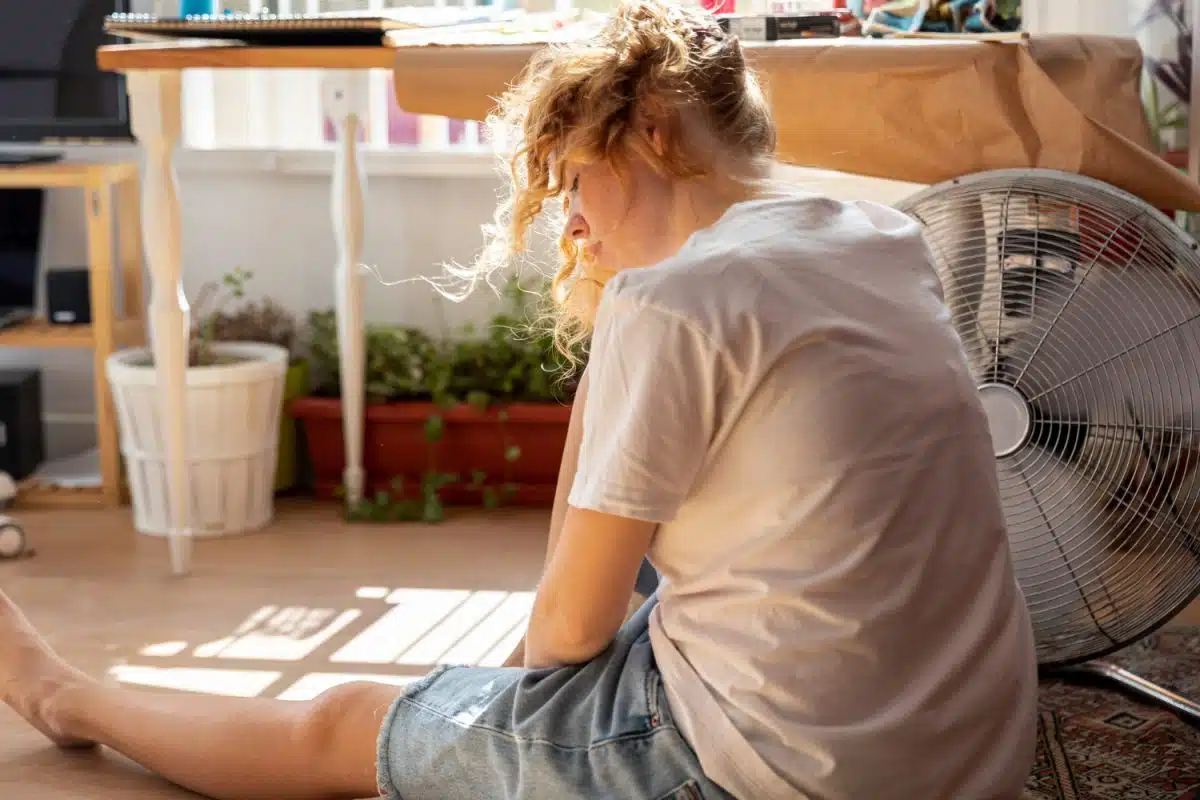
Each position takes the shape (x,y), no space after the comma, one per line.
(774,27)
(9,158)
(51,88)
(68,298)
(330,29)
(22,439)
(20,244)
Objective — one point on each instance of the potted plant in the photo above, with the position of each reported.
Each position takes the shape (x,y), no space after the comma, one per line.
(233,412)
(464,419)
(1164,31)
(267,322)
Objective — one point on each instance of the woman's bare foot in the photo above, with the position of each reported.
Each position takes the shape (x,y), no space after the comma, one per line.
(33,679)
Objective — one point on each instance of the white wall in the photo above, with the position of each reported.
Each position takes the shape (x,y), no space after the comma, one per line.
(1102,17)
(279,226)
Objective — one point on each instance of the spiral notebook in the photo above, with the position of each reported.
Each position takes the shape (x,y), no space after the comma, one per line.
(334,29)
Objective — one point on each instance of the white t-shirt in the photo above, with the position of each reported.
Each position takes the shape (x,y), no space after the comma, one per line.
(839,618)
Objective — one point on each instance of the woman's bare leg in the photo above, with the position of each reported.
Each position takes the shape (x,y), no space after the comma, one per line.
(222,747)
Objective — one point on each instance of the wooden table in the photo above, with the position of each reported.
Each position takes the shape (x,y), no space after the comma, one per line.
(154,80)
(905,111)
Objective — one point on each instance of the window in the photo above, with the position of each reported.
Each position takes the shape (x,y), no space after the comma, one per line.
(281,109)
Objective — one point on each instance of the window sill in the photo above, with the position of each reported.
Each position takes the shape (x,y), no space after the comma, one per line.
(398,163)
(392,162)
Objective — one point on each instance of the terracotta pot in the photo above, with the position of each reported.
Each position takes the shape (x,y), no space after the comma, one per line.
(1176,158)
(472,440)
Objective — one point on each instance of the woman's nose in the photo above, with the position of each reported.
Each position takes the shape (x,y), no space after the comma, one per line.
(577,227)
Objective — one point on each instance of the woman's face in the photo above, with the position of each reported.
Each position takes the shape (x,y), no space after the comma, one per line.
(619,226)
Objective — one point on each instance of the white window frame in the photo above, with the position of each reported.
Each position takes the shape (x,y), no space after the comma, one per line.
(284,121)
(1077,16)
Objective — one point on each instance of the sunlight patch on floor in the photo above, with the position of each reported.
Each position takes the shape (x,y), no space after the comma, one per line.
(163,649)
(419,629)
(205,680)
(284,634)
(436,626)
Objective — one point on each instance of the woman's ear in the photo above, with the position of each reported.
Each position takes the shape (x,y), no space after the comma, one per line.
(654,134)
(651,124)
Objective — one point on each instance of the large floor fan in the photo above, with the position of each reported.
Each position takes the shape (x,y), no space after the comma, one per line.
(1079,306)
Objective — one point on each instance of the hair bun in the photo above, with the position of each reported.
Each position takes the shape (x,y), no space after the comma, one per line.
(661,40)
(642,27)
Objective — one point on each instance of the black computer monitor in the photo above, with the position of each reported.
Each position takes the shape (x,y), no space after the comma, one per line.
(50,85)
(20,245)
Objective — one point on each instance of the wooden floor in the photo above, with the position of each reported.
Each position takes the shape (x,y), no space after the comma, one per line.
(287,612)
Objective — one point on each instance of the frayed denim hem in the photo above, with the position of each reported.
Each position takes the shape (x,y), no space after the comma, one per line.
(383,766)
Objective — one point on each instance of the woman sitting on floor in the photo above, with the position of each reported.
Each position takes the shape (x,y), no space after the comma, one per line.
(778,413)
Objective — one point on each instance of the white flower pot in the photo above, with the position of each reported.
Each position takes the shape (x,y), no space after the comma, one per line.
(232,436)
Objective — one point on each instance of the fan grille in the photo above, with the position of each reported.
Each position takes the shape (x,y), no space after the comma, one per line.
(1079,309)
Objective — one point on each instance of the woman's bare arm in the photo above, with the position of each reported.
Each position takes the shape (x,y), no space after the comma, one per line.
(584,595)
(570,464)
(566,476)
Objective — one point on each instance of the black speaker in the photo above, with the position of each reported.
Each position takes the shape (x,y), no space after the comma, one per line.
(22,440)
(68,297)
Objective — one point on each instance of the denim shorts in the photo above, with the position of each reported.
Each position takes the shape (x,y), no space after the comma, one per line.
(597,730)
(647,579)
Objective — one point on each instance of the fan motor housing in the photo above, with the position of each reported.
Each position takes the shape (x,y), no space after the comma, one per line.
(1008,417)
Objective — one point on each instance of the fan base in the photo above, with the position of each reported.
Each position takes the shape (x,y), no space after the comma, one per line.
(1185,708)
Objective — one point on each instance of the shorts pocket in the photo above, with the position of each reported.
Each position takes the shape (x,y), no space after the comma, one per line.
(688,790)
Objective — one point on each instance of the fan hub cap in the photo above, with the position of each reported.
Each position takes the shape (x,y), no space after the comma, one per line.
(1008,417)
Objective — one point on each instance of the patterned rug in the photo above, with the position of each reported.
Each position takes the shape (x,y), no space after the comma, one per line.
(1097,743)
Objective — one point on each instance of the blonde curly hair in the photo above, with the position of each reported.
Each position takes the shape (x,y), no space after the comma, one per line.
(579,102)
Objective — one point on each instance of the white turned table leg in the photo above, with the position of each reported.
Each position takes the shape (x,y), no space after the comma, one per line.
(156,120)
(345,98)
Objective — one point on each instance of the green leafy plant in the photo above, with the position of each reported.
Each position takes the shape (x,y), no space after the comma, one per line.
(397,360)
(1167,80)
(264,320)
(512,360)
(1008,9)
(205,312)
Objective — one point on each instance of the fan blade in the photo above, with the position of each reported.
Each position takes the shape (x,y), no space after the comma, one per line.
(958,249)
(1052,521)
(1098,567)
(1120,343)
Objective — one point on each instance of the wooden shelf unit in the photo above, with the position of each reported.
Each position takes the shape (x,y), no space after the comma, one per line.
(39,333)
(112,200)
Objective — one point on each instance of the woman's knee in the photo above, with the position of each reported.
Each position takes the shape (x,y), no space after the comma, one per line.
(346,716)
